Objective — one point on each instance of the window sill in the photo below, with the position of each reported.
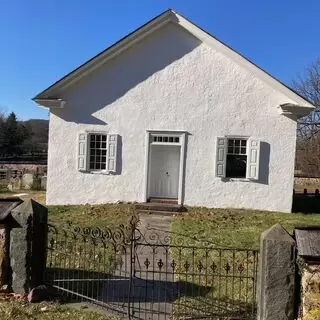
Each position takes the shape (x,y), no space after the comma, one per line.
(106,173)
(236,179)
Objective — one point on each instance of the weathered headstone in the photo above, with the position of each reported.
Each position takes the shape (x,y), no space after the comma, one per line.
(27,181)
(276,278)
(28,246)
(44,183)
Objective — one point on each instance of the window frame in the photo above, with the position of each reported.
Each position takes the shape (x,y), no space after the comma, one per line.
(83,152)
(241,138)
(92,133)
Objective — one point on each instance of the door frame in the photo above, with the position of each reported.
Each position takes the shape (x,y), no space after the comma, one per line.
(149,142)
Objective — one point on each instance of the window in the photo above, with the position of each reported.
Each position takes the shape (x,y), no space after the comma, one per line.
(97,151)
(237,157)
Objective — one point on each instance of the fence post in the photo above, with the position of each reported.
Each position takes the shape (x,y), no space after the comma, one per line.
(28,241)
(276,277)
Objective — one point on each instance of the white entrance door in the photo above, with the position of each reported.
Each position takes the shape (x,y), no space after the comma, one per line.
(164,171)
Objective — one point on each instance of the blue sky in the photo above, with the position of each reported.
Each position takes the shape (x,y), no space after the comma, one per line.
(42,40)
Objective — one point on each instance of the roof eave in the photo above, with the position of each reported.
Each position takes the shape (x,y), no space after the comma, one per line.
(291,109)
(50,103)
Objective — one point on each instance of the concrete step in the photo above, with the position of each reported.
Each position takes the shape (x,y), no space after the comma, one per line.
(152,206)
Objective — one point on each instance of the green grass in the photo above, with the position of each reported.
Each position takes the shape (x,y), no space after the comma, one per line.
(92,246)
(232,292)
(105,215)
(21,310)
(233,228)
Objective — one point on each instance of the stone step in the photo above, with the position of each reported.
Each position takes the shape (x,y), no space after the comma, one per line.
(163,200)
(153,206)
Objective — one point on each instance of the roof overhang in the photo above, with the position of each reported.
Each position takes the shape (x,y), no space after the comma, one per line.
(51,103)
(294,110)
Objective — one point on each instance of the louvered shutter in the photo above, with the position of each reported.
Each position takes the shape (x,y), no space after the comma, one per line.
(112,152)
(82,152)
(221,157)
(253,159)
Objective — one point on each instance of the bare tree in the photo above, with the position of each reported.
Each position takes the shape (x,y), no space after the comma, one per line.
(308,85)
(308,130)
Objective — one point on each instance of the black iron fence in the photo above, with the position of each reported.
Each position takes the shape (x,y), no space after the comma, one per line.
(152,274)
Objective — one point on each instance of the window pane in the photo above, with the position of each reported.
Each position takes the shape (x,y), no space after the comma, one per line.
(97,151)
(236,166)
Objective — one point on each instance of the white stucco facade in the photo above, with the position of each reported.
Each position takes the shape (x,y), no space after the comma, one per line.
(172,81)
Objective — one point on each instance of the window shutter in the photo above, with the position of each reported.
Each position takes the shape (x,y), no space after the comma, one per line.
(112,153)
(253,159)
(82,152)
(221,157)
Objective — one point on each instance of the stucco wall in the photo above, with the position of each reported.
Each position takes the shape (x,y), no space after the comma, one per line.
(172,81)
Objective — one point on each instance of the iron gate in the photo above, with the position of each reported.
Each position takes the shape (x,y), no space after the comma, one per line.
(151,274)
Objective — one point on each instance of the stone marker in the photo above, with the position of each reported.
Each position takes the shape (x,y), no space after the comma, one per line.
(27,181)
(28,246)
(44,183)
(276,278)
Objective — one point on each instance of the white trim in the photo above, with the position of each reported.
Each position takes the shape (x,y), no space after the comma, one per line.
(146,166)
(182,136)
(170,16)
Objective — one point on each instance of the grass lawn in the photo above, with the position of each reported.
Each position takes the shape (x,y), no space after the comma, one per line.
(230,287)
(234,228)
(106,215)
(21,310)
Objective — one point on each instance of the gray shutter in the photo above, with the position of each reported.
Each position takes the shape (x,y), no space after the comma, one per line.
(221,157)
(112,152)
(253,159)
(82,152)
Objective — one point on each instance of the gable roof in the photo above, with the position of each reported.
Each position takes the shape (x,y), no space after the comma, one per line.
(48,96)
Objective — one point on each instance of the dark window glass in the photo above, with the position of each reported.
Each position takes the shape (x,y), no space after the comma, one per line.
(236,166)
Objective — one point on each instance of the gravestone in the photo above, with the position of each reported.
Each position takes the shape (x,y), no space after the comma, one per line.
(276,278)
(27,181)
(44,183)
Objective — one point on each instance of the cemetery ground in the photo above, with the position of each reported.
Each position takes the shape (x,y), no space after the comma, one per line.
(233,228)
